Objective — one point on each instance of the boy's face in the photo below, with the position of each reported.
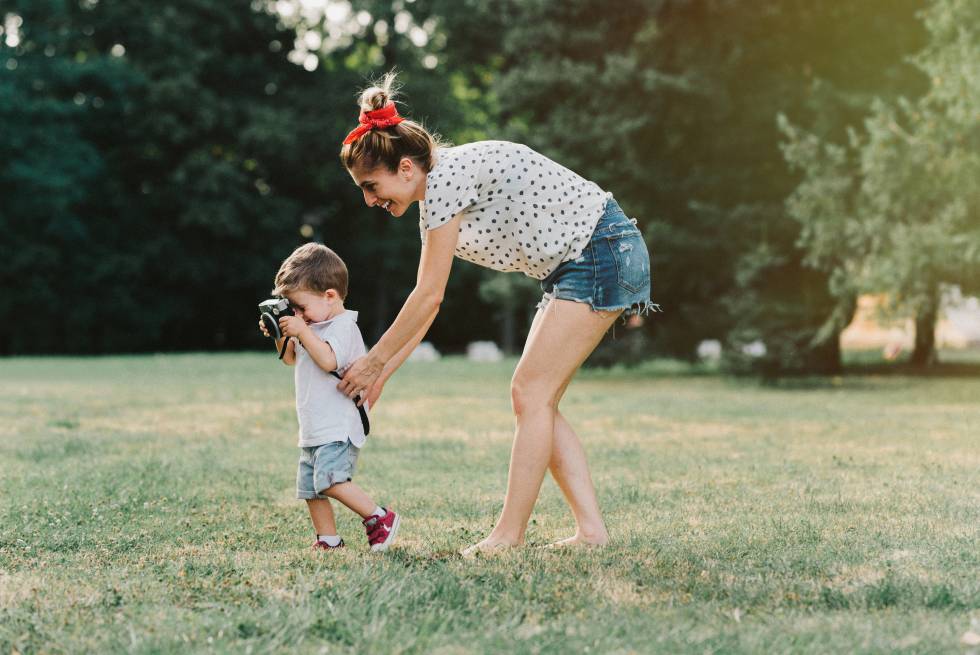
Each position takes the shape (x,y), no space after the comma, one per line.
(393,192)
(313,306)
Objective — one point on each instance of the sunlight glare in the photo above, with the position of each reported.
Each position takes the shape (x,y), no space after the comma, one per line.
(418,36)
(338,12)
(403,20)
(312,40)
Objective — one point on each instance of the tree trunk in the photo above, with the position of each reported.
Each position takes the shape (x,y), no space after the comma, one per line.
(824,354)
(924,354)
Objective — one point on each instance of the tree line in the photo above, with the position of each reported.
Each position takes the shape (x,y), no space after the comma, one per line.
(158,160)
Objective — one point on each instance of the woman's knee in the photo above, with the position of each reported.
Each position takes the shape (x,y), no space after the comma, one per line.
(529,393)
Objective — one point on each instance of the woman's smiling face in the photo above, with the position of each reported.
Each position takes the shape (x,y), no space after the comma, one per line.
(393,192)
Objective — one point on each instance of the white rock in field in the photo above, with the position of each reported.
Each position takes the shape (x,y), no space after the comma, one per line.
(424,352)
(754,349)
(483,351)
(709,350)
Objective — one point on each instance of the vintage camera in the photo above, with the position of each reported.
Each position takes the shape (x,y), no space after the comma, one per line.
(271,311)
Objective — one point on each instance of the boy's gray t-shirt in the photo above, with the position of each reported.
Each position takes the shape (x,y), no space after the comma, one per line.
(324,413)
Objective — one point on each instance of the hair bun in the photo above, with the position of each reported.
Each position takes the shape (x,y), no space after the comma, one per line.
(380,94)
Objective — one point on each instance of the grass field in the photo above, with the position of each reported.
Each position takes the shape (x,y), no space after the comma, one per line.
(148,507)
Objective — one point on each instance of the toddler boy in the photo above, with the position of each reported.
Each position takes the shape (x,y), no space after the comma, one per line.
(325,338)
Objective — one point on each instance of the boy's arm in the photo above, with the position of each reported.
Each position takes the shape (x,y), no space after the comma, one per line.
(288,357)
(319,350)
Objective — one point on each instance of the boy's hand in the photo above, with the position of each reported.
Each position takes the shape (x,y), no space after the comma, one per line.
(292,326)
(262,327)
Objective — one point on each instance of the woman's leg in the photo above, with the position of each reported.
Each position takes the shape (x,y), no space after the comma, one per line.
(562,339)
(570,469)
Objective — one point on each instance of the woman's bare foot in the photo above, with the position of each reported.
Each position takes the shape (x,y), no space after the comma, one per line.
(486,547)
(581,541)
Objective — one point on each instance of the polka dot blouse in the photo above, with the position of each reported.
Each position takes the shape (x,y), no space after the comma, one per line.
(520,210)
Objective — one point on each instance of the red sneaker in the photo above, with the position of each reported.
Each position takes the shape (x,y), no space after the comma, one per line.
(381,530)
(323,545)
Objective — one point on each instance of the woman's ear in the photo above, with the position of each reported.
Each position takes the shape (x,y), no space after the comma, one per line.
(406,167)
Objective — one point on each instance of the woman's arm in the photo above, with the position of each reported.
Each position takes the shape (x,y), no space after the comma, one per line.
(405,352)
(374,391)
(399,358)
(416,314)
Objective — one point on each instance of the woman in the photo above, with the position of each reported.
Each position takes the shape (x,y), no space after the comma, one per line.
(504,206)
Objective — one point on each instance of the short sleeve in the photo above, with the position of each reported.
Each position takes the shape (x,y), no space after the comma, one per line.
(338,337)
(450,188)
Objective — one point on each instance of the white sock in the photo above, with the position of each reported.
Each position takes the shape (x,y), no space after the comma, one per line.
(379,511)
(329,539)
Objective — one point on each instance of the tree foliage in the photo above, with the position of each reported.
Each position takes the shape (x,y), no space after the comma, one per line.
(894,209)
(158,160)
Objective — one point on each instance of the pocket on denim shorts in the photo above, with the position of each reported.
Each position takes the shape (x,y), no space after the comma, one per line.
(629,253)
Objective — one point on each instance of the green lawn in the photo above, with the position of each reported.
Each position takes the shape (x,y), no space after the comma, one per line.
(148,507)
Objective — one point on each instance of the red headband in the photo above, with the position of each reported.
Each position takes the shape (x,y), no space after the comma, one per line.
(387,116)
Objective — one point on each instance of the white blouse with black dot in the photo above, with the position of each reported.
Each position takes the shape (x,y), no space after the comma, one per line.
(521,211)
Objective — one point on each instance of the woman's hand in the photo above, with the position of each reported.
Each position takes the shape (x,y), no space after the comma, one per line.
(360,377)
(375,392)
(263,328)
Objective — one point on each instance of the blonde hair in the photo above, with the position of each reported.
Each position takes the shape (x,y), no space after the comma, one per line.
(386,146)
(312,267)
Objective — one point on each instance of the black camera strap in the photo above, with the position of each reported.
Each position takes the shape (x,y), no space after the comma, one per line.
(365,423)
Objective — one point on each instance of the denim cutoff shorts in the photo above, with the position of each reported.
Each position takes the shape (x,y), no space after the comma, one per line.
(321,467)
(612,273)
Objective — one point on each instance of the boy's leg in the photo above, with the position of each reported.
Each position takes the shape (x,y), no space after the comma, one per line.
(381,525)
(353,497)
(338,463)
(335,466)
(321,513)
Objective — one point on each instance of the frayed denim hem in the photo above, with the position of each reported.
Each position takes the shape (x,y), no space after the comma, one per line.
(636,309)
(640,309)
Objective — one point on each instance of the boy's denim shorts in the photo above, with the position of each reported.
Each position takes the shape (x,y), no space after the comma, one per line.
(612,273)
(321,467)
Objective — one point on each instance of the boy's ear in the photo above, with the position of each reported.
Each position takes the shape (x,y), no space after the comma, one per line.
(331,295)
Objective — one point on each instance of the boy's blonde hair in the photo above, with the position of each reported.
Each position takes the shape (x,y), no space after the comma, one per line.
(312,267)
